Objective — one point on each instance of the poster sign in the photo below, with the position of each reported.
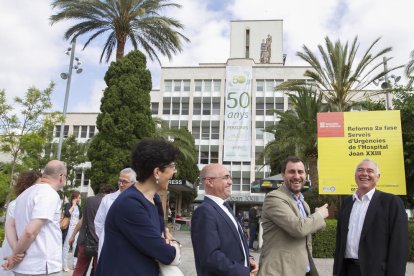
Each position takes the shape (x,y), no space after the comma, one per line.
(237,123)
(346,138)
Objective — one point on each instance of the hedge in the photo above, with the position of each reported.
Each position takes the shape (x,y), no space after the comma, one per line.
(324,241)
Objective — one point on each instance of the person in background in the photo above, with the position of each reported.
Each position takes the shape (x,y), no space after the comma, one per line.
(71,209)
(288,226)
(36,226)
(372,229)
(219,244)
(87,234)
(127,178)
(253,224)
(24,181)
(136,239)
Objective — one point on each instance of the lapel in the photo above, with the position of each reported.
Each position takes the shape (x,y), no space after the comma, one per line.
(372,210)
(229,223)
(292,202)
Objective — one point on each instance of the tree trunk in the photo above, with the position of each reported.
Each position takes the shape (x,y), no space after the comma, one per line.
(120,49)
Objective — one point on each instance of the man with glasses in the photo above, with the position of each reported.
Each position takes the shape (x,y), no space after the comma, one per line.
(219,244)
(288,225)
(127,177)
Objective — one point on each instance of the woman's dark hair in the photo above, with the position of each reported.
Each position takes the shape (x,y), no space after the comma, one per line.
(25,180)
(74,195)
(150,154)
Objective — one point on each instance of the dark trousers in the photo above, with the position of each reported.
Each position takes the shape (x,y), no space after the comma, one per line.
(352,267)
(83,262)
(252,231)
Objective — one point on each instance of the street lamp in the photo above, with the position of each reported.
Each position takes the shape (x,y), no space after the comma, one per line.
(386,85)
(68,76)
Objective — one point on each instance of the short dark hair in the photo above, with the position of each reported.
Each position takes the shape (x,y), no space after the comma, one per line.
(292,159)
(152,153)
(106,189)
(25,180)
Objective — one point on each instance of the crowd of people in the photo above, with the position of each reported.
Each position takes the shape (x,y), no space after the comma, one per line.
(123,232)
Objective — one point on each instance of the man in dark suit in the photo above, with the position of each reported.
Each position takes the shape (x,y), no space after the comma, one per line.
(220,247)
(372,230)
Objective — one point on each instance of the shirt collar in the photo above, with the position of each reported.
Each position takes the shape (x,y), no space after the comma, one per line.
(367,196)
(301,198)
(216,199)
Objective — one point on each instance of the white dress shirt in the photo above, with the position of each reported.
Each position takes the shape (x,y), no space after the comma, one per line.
(220,202)
(356,222)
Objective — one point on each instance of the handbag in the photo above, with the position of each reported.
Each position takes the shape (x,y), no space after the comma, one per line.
(64,222)
(169,270)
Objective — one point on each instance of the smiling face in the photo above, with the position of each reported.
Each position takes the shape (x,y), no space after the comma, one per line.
(366,177)
(217,180)
(165,174)
(294,176)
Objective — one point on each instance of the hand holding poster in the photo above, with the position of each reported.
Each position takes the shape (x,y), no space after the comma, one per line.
(345,138)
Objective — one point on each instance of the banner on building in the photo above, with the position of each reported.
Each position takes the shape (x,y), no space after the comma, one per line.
(346,138)
(237,123)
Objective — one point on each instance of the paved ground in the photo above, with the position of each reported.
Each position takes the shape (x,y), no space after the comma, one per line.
(187,259)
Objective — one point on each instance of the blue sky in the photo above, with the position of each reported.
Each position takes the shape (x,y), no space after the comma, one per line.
(33,52)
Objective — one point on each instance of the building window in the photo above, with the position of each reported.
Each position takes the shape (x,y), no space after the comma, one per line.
(213,157)
(259,86)
(270,108)
(91,131)
(259,108)
(175,108)
(217,85)
(184,108)
(78,177)
(177,86)
(270,85)
(76,131)
(259,133)
(280,103)
(85,179)
(204,157)
(196,132)
(206,108)
(247,55)
(166,106)
(215,132)
(198,85)
(197,108)
(154,108)
(183,124)
(205,131)
(168,85)
(216,109)
(186,85)
(207,85)
(65,132)
(84,131)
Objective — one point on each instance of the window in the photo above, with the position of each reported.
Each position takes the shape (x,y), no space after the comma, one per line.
(270,85)
(259,133)
(186,84)
(168,85)
(183,124)
(85,179)
(217,84)
(76,131)
(216,109)
(280,103)
(259,86)
(259,108)
(78,177)
(215,132)
(65,132)
(175,108)
(213,157)
(204,157)
(84,131)
(197,108)
(206,108)
(207,85)
(198,85)
(177,86)
(196,132)
(184,108)
(91,131)
(269,108)
(205,130)
(154,108)
(166,106)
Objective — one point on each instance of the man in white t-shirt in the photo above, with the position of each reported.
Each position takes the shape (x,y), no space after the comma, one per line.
(127,177)
(39,239)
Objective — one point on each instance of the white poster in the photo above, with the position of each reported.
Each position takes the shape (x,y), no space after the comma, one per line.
(238,112)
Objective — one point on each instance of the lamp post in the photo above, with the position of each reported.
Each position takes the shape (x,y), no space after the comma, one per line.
(386,85)
(68,76)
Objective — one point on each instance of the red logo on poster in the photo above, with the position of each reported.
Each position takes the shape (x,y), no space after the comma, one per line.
(330,124)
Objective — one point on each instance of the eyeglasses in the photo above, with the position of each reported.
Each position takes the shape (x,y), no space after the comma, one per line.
(226,177)
(123,181)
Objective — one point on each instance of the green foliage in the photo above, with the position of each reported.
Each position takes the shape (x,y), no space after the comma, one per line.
(125,118)
(74,154)
(138,21)
(339,75)
(323,242)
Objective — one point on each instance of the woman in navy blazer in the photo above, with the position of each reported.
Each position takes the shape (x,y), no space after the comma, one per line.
(134,227)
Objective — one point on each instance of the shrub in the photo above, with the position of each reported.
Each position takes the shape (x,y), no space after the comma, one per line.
(323,242)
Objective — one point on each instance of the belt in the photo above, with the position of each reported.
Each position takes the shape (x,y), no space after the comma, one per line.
(352,261)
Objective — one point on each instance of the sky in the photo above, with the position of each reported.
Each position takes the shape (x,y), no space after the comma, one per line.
(32,51)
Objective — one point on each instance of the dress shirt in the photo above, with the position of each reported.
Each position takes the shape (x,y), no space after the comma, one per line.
(303,215)
(356,222)
(220,202)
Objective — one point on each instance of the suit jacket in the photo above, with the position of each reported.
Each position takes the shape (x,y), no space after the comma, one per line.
(133,241)
(287,240)
(383,246)
(216,242)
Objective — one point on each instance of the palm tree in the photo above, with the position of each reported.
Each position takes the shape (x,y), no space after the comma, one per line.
(339,75)
(409,70)
(297,129)
(136,20)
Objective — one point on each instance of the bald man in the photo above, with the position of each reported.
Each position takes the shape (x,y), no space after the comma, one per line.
(220,247)
(36,226)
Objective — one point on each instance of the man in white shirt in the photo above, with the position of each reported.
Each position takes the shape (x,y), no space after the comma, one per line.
(127,177)
(372,230)
(37,215)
